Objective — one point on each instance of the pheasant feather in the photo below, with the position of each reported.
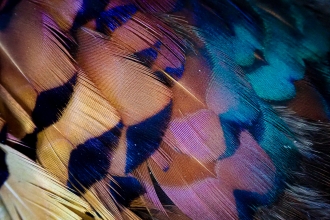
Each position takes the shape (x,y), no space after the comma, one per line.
(174,109)
(29,192)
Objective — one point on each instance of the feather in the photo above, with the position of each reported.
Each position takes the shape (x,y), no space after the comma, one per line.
(30,192)
(174,109)
(4,213)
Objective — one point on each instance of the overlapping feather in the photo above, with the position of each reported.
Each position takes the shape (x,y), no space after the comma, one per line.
(30,192)
(168,109)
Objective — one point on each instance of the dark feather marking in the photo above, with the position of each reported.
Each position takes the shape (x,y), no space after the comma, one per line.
(4,173)
(6,13)
(144,138)
(232,129)
(163,198)
(319,76)
(68,43)
(90,9)
(176,73)
(90,161)
(216,21)
(90,215)
(148,56)
(3,134)
(115,17)
(125,189)
(29,145)
(179,5)
(163,78)
(51,103)
(246,203)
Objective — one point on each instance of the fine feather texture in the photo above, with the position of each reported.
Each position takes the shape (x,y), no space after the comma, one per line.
(175,109)
(30,192)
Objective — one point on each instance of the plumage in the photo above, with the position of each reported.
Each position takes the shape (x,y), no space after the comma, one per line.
(175,109)
(29,192)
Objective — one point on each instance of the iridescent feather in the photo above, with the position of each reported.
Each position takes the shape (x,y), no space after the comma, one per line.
(173,109)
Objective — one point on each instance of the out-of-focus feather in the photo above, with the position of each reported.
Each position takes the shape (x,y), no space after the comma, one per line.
(3,212)
(30,192)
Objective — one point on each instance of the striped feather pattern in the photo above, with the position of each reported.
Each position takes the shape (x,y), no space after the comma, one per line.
(173,109)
